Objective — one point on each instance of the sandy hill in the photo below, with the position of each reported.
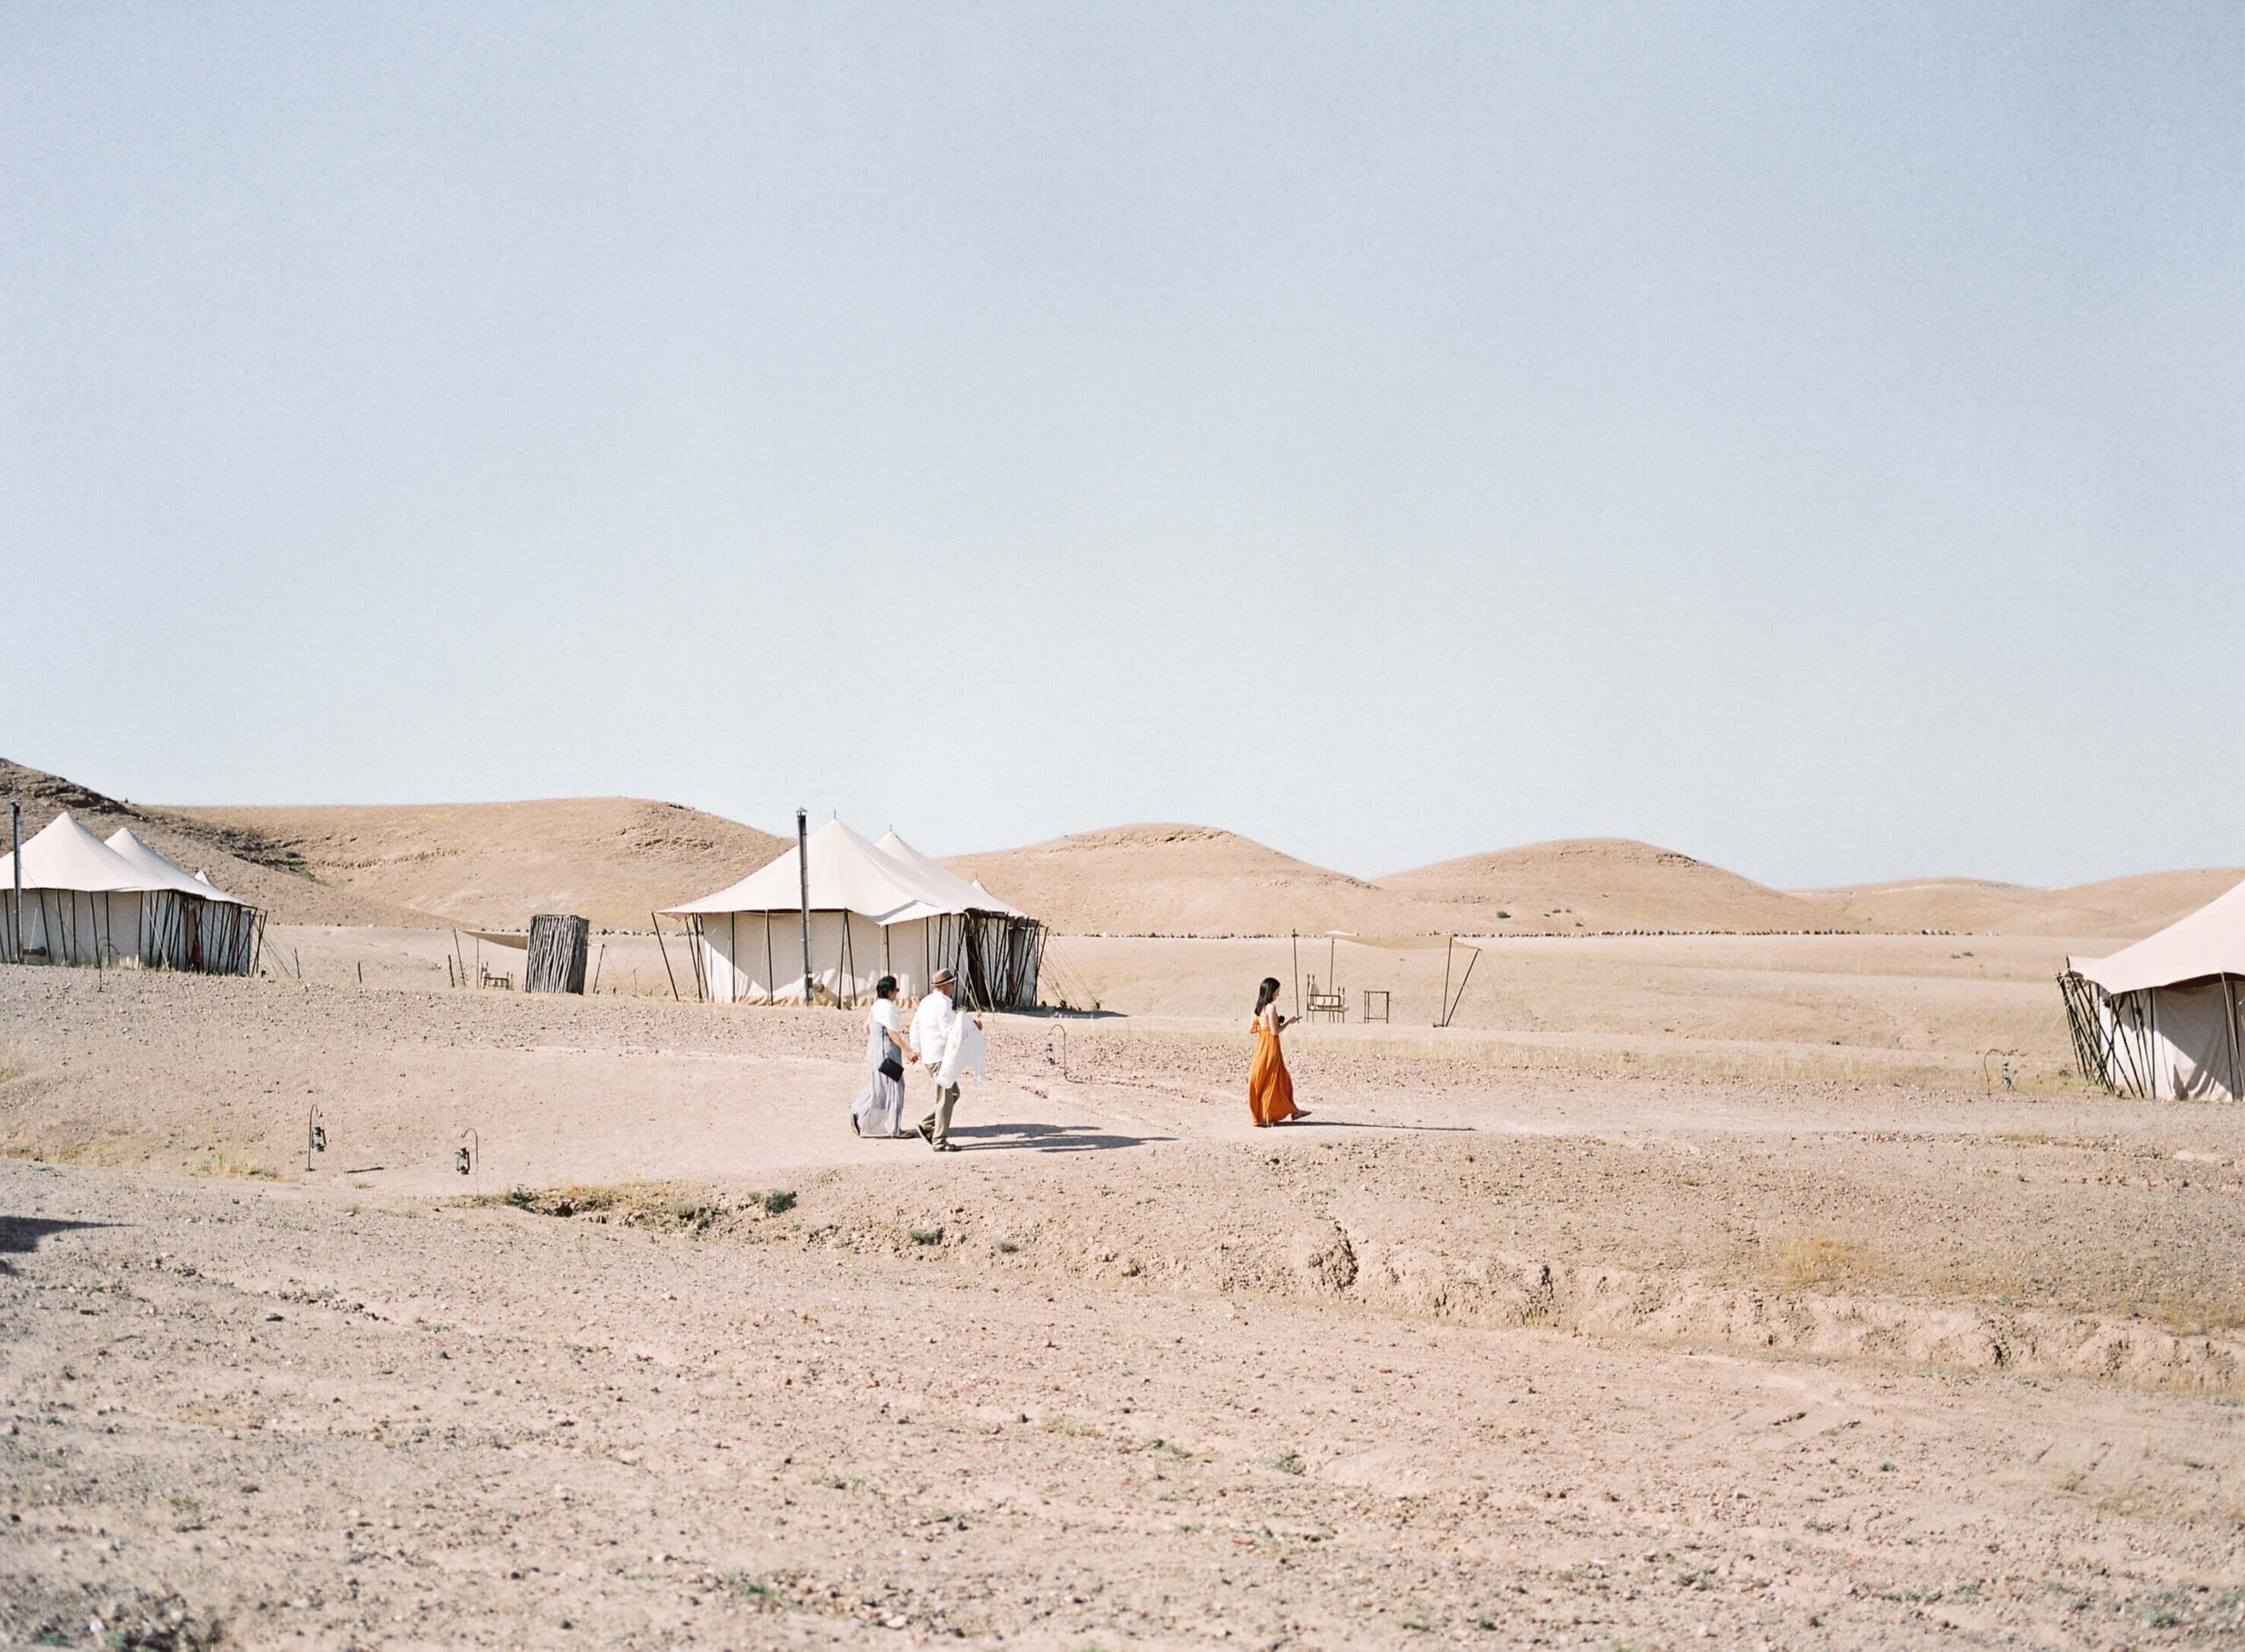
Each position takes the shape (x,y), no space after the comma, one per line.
(1171,880)
(2126,909)
(612,860)
(1604,884)
(240,862)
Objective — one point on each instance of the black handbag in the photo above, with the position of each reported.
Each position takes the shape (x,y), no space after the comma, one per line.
(891,1064)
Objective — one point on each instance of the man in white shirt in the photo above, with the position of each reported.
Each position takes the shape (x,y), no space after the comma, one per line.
(933,1026)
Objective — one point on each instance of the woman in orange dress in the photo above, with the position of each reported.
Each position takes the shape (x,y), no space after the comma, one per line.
(1270,1087)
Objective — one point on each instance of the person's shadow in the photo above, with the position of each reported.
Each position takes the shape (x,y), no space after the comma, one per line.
(1047,1139)
(20,1235)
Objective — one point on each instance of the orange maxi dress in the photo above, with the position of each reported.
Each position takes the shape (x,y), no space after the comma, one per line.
(1270,1087)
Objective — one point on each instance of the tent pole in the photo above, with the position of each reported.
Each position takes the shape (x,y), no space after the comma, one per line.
(1463,980)
(802,874)
(2230,997)
(15,860)
(660,947)
(1295,937)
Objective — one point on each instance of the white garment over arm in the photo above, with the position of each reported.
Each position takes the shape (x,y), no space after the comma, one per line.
(967,1051)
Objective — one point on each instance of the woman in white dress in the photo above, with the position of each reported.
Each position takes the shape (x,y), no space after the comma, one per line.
(880,1110)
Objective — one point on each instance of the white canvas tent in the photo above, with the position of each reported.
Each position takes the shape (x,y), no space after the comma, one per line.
(2160,1018)
(873,912)
(107,904)
(188,922)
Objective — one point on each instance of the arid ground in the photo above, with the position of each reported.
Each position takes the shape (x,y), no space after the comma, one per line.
(1629,1311)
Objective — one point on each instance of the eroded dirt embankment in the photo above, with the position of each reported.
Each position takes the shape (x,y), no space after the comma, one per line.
(1758,1253)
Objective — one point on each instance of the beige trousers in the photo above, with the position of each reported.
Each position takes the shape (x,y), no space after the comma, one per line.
(938,1122)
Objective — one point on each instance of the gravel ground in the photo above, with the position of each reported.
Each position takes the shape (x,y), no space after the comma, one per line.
(1486,1355)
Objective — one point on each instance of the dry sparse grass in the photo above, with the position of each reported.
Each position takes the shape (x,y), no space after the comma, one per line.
(663,1205)
(1819,1259)
(218,1162)
(13,1064)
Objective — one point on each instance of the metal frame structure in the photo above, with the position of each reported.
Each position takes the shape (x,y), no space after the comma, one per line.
(2113,1035)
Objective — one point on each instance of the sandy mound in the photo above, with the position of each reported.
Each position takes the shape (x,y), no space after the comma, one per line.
(1606,884)
(1171,879)
(611,859)
(2127,909)
(241,863)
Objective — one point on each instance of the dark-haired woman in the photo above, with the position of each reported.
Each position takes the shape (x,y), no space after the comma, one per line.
(880,1111)
(1270,1087)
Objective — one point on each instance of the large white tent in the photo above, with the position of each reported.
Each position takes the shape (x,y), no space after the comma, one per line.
(88,902)
(874,911)
(2160,1018)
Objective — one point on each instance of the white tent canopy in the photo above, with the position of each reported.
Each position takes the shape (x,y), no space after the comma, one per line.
(875,909)
(847,874)
(168,874)
(2207,945)
(965,897)
(2161,1018)
(66,855)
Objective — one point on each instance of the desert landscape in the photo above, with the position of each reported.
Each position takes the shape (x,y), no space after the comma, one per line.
(1698,1283)
(1553,678)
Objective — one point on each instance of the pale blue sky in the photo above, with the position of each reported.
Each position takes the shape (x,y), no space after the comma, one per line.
(1813,441)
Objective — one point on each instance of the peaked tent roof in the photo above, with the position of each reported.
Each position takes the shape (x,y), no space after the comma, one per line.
(2210,942)
(991,903)
(967,897)
(66,855)
(847,874)
(168,874)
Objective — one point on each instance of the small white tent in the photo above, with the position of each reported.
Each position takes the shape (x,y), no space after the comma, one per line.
(81,899)
(872,913)
(2160,1018)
